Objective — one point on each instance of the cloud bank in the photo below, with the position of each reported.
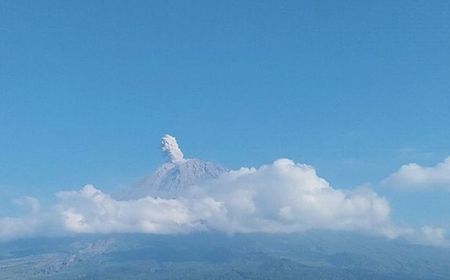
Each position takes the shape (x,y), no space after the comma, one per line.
(280,197)
(286,197)
(414,176)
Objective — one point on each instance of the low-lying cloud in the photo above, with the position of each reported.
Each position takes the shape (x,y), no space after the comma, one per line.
(275,198)
(414,176)
(285,197)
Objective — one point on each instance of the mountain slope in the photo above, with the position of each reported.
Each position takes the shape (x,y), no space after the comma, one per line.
(309,255)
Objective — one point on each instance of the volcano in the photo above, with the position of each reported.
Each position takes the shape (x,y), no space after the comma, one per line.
(177,175)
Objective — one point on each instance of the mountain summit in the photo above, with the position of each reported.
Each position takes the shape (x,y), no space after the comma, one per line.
(177,174)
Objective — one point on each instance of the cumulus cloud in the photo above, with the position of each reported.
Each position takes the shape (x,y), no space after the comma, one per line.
(433,236)
(414,176)
(27,225)
(426,235)
(287,197)
(92,211)
(280,197)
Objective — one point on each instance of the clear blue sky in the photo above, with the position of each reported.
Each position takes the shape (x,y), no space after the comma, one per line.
(354,88)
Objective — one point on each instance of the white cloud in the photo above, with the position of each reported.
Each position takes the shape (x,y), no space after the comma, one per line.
(287,197)
(434,236)
(279,197)
(426,235)
(414,176)
(27,225)
(91,211)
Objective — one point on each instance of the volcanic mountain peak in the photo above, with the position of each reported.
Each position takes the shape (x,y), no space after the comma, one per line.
(177,175)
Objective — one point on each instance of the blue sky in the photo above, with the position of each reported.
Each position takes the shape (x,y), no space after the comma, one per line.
(354,88)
